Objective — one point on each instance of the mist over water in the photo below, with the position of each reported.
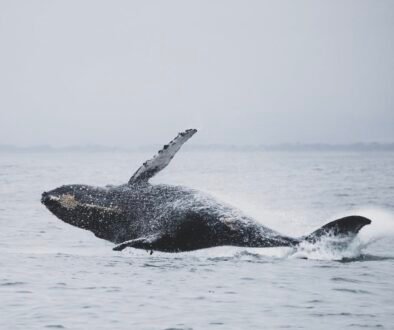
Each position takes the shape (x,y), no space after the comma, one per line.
(53,275)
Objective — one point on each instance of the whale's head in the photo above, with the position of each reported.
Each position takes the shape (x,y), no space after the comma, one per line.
(83,206)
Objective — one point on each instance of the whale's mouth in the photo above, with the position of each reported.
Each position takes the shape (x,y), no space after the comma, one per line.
(47,198)
(67,201)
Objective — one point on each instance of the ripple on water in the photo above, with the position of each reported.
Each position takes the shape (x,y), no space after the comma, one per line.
(347,280)
(343,314)
(357,325)
(315,301)
(355,291)
(367,257)
(247,279)
(12,283)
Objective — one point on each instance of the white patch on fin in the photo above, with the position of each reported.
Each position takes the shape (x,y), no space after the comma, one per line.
(162,159)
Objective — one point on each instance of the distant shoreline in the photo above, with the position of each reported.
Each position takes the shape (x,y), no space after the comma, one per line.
(290,147)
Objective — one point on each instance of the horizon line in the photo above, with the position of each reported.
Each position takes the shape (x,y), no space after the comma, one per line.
(288,146)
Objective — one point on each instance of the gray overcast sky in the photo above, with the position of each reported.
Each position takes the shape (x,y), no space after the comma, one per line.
(243,72)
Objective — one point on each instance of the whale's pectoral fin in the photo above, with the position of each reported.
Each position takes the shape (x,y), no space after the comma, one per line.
(344,227)
(162,159)
(146,243)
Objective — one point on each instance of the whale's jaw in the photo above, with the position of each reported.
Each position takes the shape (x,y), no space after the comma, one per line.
(86,207)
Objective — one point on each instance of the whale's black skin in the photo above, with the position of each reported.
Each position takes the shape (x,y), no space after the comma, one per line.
(184,218)
(170,218)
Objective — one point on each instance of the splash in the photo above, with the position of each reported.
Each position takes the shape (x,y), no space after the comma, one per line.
(382,225)
(329,248)
(337,248)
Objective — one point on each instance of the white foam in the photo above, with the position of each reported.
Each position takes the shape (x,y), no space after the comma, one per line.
(331,248)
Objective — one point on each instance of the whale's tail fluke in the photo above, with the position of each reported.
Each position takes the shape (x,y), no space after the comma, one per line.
(344,227)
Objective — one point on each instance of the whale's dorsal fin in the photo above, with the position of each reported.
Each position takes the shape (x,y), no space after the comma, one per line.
(162,159)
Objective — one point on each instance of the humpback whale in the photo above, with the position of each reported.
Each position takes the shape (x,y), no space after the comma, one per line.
(171,218)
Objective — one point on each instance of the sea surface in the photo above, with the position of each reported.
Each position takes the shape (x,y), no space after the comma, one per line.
(53,275)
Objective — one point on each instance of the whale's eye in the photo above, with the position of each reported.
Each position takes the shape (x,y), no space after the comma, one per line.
(68,201)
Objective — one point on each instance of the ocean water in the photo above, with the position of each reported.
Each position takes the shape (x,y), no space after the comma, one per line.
(53,275)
